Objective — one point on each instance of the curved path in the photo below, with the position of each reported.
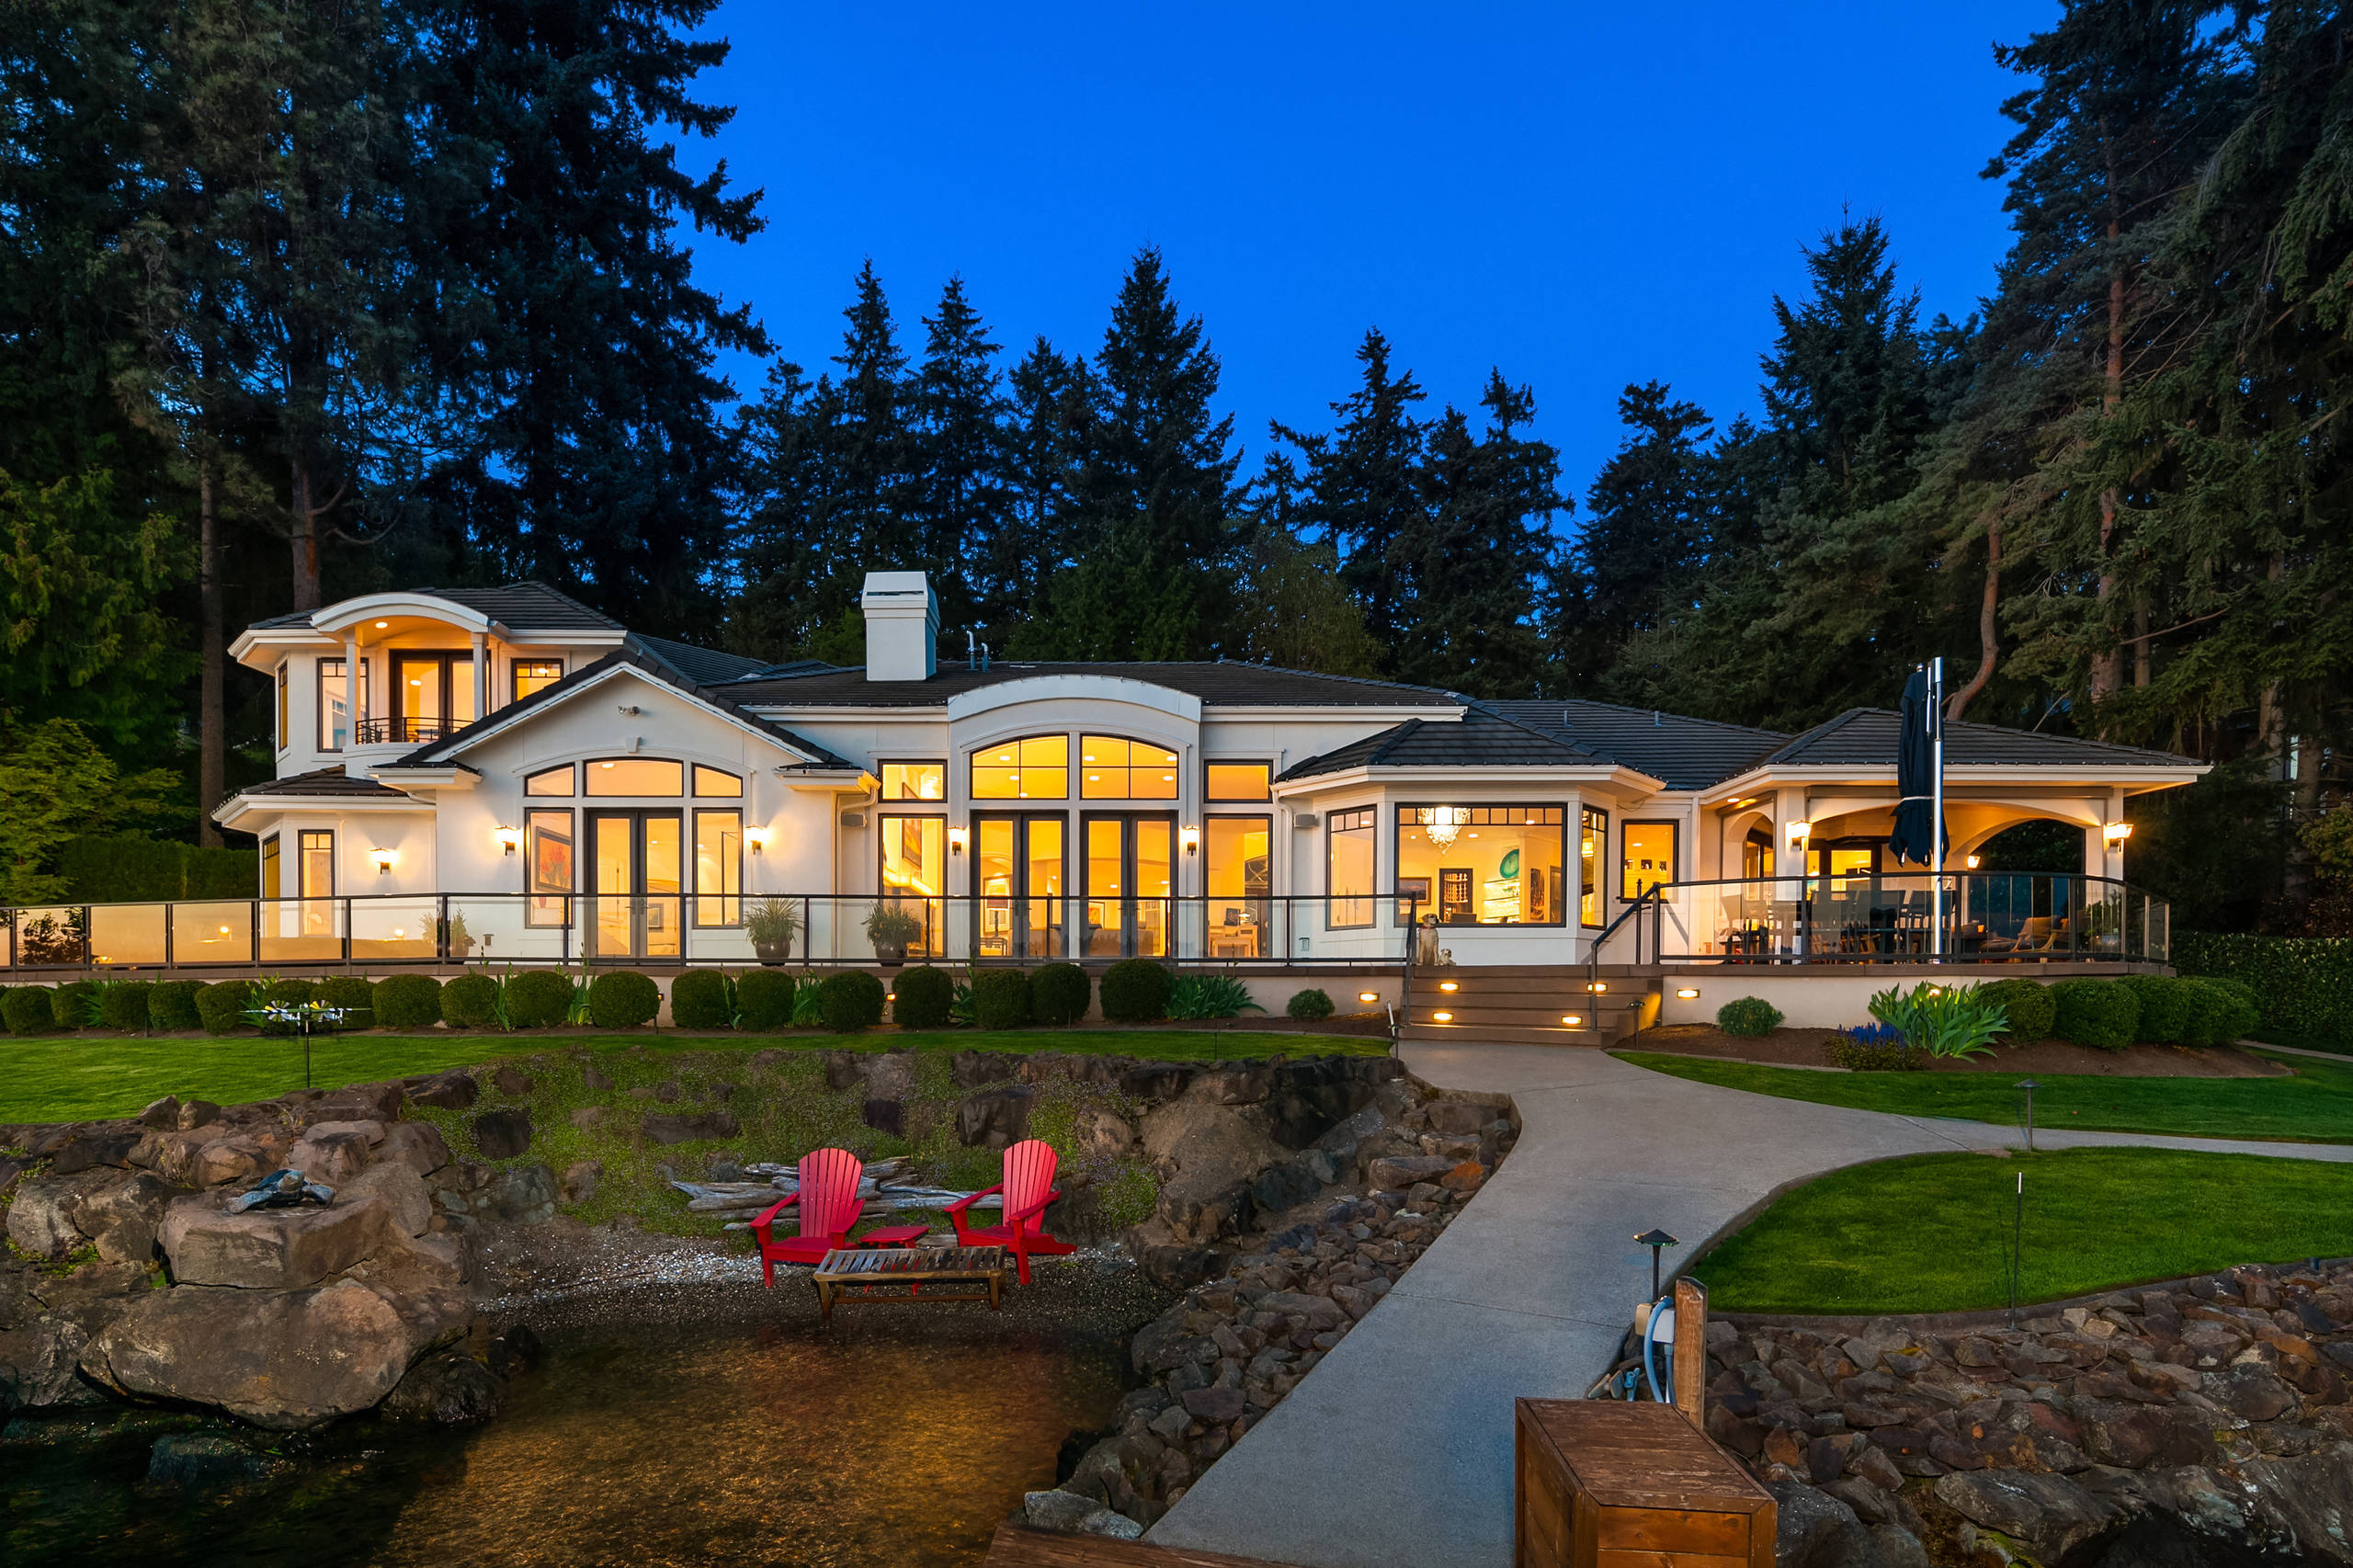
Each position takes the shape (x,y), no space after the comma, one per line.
(1397,1450)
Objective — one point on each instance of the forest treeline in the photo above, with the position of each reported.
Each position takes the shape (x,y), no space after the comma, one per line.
(299,298)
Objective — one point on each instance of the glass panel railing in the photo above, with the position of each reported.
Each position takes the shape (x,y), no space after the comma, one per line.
(52,936)
(214,931)
(299,930)
(1986,917)
(395,930)
(131,933)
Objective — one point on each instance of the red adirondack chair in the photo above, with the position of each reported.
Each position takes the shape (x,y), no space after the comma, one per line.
(1027,1188)
(829,1206)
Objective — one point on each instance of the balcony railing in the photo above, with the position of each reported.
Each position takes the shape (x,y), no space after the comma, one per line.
(1989,917)
(403,731)
(372,932)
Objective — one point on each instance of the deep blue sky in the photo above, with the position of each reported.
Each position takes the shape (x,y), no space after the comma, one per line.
(1584,196)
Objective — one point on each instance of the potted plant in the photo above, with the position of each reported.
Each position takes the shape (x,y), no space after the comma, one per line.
(891,928)
(774,926)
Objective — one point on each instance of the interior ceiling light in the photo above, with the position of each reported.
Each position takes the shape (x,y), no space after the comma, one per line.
(1446,825)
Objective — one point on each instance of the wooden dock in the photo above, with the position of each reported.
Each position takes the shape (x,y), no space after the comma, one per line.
(1019,1546)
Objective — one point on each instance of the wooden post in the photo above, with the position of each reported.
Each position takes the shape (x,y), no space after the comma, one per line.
(1691,1349)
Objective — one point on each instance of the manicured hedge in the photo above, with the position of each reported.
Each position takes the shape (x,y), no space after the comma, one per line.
(471,1002)
(408,1002)
(850,1001)
(539,999)
(2164,1008)
(700,1000)
(1309,1003)
(351,996)
(1135,990)
(2096,1012)
(922,997)
(1748,1016)
(221,1007)
(124,1005)
(622,999)
(1059,993)
(764,996)
(27,1010)
(171,1007)
(2027,1005)
(1000,998)
(71,1004)
(129,870)
(2303,986)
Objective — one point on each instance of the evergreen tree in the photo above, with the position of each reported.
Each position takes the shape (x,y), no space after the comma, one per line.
(1049,397)
(963,501)
(1649,523)
(1295,612)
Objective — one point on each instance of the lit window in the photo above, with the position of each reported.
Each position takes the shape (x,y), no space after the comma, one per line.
(549,781)
(535,674)
(1596,832)
(915,780)
(547,848)
(1482,864)
(711,784)
(1348,868)
(1240,781)
(1646,857)
(1115,769)
(719,867)
(636,775)
(1036,768)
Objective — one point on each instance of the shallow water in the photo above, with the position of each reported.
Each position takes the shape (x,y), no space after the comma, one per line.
(899,1435)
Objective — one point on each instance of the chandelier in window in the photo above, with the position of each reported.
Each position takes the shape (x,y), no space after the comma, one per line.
(1446,825)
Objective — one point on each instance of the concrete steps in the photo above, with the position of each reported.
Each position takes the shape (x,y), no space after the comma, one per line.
(1529,1004)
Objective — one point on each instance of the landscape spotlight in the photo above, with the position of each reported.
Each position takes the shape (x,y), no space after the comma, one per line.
(2030,1085)
(1658,1241)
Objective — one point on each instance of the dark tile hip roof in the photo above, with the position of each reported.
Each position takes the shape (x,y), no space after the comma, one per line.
(1217,686)
(705,667)
(327,782)
(1680,753)
(528,604)
(1865,737)
(1482,738)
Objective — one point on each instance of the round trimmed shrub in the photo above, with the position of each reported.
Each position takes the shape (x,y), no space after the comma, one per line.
(698,1000)
(71,1003)
(2027,1005)
(351,996)
(1135,990)
(2164,1008)
(171,1007)
(1309,1003)
(286,993)
(408,1002)
(622,999)
(221,1008)
(1748,1016)
(764,997)
(539,999)
(471,1002)
(123,1005)
(850,1001)
(1000,998)
(27,1010)
(1059,993)
(2245,1011)
(2096,1012)
(923,996)
(2212,1013)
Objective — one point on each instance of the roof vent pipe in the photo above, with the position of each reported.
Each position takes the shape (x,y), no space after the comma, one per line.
(1656,723)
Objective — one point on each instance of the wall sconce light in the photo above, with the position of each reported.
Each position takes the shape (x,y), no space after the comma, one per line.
(1190,837)
(1368,995)
(383,858)
(1798,832)
(956,838)
(508,837)
(2114,834)
(1687,993)
(758,837)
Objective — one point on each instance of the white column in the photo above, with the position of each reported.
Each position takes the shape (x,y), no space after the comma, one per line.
(1573,875)
(354,683)
(481,674)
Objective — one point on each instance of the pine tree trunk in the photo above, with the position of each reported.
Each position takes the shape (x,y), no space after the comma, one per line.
(212,720)
(2140,641)
(2108,663)
(1957,704)
(304,538)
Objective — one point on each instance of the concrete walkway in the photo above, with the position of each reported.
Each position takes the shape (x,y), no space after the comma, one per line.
(1396,1450)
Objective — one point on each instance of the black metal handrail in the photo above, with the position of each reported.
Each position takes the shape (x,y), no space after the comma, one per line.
(1593,952)
(401,730)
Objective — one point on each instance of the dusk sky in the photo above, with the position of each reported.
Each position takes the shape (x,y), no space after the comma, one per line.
(1584,196)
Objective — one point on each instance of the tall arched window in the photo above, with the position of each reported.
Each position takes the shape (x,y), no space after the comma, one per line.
(1113,768)
(1036,767)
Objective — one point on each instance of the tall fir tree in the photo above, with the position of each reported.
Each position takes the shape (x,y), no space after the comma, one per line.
(963,500)
(1648,524)
(1047,396)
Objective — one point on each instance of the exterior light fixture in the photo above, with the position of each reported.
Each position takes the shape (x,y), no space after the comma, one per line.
(1798,832)
(758,837)
(1658,1241)
(1744,800)
(1687,993)
(508,837)
(1368,995)
(1450,985)
(383,858)
(956,838)
(382,624)
(1599,986)
(1190,837)
(2030,1085)
(1442,1017)
(1571,1019)
(2114,834)
(1972,862)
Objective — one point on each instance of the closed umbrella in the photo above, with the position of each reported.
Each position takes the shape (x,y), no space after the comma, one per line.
(1919,784)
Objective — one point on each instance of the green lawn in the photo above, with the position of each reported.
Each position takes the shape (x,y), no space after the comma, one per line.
(1932,1232)
(2315,1106)
(72,1077)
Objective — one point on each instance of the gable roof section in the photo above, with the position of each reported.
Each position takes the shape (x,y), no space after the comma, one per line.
(1481,738)
(1682,753)
(635,654)
(1865,737)
(1217,685)
(706,666)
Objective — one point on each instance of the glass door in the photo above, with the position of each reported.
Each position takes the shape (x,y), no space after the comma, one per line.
(1018,879)
(1131,875)
(1239,881)
(434,693)
(636,887)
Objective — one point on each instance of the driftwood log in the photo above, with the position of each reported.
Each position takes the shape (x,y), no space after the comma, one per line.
(742,1201)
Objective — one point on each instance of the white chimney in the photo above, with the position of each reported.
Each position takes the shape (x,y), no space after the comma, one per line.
(902,627)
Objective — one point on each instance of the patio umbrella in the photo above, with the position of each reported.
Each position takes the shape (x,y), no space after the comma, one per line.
(1915,775)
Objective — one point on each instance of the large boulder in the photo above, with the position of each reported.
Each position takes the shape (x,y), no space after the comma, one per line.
(997,1117)
(416,1144)
(2051,1513)
(525,1194)
(41,1216)
(1207,1155)
(270,1249)
(453,1090)
(449,1388)
(94,1146)
(230,1161)
(1307,1099)
(285,1360)
(123,1216)
(41,1361)
(331,1153)
(401,1189)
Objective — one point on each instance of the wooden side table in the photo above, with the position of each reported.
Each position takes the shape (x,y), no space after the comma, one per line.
(889,1273)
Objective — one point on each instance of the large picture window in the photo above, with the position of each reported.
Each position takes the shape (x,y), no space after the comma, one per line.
(719,868)
(1645,857)
(1484,865)
(1595,834)
(1115,769)
(914,874)
(1239,881)
(1348,868)
(1036,768)
(548,864)
(637,776)
(915,780)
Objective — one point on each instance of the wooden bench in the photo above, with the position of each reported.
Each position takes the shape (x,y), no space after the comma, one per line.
(1603,1483)
(892,1274)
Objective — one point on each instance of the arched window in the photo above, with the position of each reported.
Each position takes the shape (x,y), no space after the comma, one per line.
(1034,768)
(1112,768)
(636,775)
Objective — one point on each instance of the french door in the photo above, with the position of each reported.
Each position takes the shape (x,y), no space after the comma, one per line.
(1131,877)
(433,695)
(636,868)
(1018,871)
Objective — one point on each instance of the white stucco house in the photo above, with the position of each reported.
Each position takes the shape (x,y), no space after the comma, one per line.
(506,774)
